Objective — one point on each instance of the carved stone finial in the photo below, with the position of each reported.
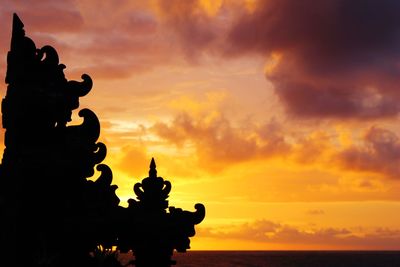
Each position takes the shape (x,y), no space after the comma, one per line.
(152,171)
(17,36)
(17,28)
(36,78)
(159,231)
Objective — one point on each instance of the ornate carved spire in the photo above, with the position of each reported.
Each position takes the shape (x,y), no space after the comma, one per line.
(38,89)
(158,231)
(17,36)
(46,163)
(152,171)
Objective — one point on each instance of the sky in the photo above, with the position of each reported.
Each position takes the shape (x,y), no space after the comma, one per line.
(281,117)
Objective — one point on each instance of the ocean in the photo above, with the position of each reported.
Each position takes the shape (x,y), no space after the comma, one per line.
(288,259)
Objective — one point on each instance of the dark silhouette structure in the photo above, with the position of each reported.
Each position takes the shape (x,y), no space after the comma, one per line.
(51,214)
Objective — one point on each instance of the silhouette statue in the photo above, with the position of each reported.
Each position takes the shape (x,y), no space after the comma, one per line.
(51,214)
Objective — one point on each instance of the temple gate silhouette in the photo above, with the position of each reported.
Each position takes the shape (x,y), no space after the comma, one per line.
(51,214)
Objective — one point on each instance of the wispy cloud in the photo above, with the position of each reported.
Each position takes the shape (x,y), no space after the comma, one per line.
(266,231)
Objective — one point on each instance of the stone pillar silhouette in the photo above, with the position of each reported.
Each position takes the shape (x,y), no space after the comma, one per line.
(51,214)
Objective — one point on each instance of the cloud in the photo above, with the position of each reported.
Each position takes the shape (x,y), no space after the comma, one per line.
(334,58)
(134,161)
(141,22)
(218,142)
(326,59)
(132,43)
(274,232)
(195,29)
(110,42)
(379,153)
(45,16)
(337,58)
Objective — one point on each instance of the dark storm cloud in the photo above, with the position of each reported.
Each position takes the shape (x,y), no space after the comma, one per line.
(339,58)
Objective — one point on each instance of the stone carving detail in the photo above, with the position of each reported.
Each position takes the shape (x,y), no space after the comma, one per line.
(154,233)
(52,215)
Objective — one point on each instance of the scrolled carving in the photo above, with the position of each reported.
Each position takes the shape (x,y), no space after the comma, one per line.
(90,128)
(167,188)
(100,154)
(199,214)
(51,55)
(183,223)
(80,88)
(138,191)
(106,176)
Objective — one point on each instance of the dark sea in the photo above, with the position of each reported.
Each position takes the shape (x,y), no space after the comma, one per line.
(288,259)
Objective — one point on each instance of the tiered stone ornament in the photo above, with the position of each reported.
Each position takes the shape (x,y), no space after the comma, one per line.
(51,214)
(157,232)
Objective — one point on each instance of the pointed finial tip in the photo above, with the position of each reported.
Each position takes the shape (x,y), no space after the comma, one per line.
(152,164)
(153,171)
(17,21)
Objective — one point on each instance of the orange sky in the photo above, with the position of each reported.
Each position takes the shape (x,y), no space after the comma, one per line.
(281,117)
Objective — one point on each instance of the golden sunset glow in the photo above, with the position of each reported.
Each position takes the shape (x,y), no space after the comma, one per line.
(286,130)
